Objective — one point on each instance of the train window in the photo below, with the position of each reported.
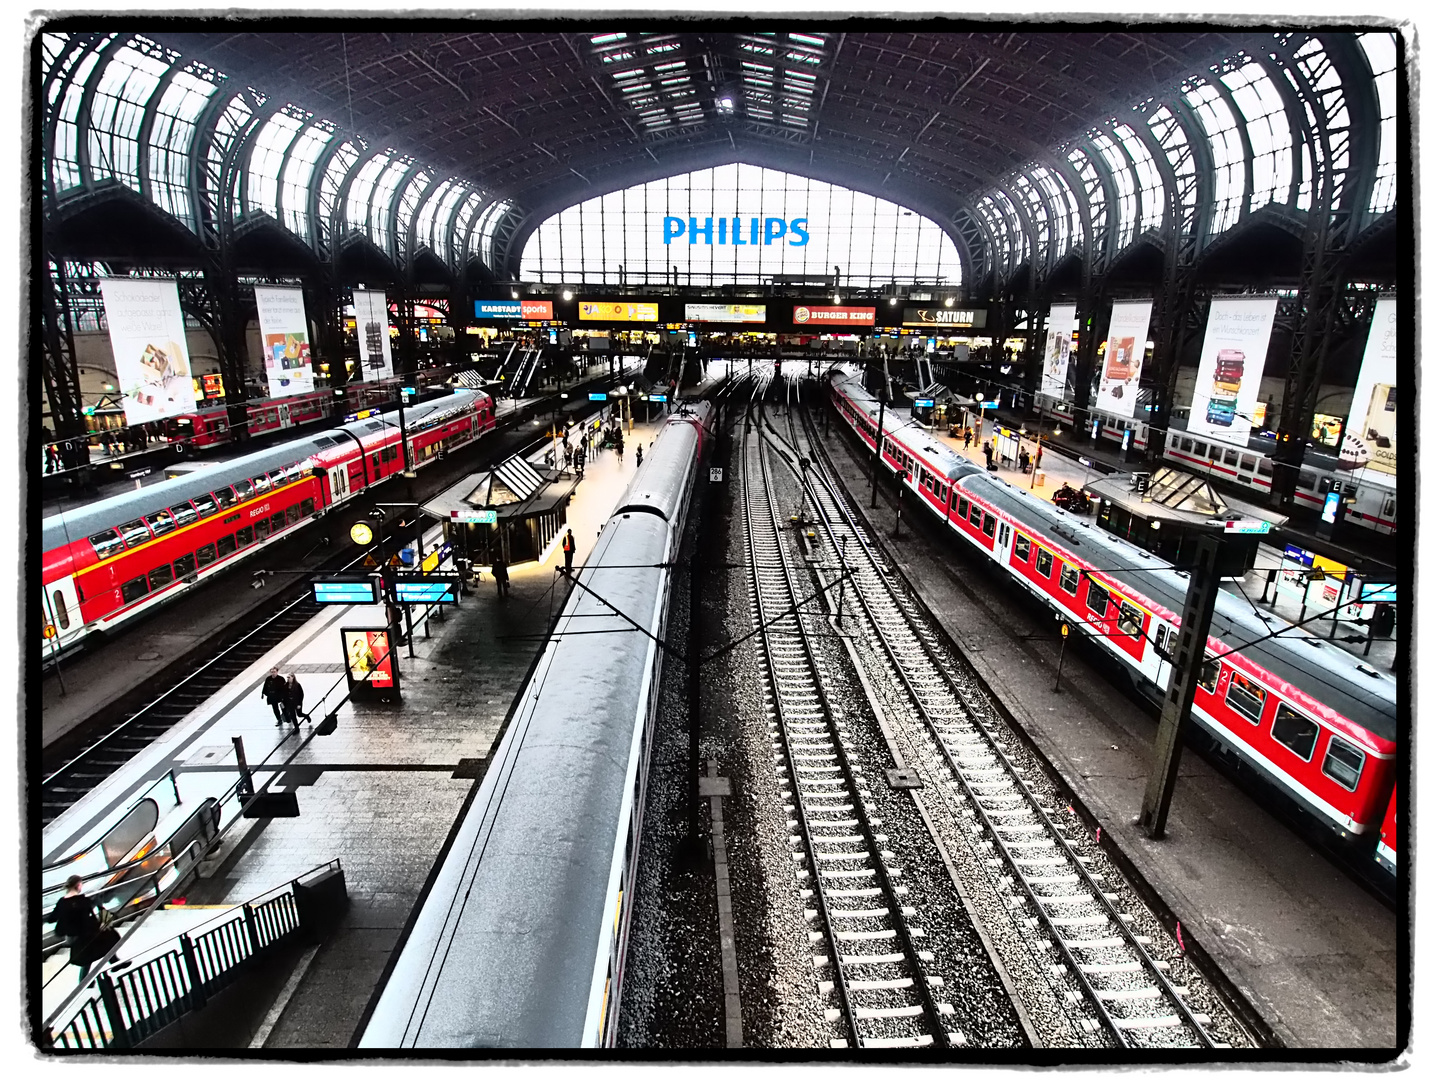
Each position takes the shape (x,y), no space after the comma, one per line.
(1247,463)
(1264,468)
(1187,446)
(1214,454)
(133,590)
(375,460)
(1022,548)
(962,507)
(205,556)
(245,537)
(205,505)
(307,507)
(1245,697)
(1305,481)
(1209,675)
(1043,562)
(262,484)
(244,489)
(161,576)
(225,546)
(292,514)
(1097,598)
(1343,763)
(185,566)
(134,532)
(1069,578)
(1232,457)
(976,515)
(1174,441)
(277,521)
(1388,510)
(989,526)
(1294,731)
(62,613)
(262,529)
(184,514)
(1131,619)
(107,543)
(160,523)
(224,497)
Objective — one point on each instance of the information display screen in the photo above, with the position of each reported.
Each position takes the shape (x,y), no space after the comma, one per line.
(356,590)
(426,590)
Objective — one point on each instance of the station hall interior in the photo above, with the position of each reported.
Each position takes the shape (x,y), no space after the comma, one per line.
(682,466)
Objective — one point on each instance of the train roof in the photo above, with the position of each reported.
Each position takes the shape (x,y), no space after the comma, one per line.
(502,952)
(1317,668)
(70,525)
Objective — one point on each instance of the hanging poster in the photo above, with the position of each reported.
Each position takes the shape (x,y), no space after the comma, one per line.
(1232,360)
(147,336)
(1370,431)
(372,331)
(1124,357)
(1056,370)
(284,340)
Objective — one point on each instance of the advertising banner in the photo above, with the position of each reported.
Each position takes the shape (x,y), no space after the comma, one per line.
(618,311)
(285,340)
(1055,372)
(515,309)
(741,313)
(367,657)
(1369,443)
(834,316)
(1232,360)
(147,336)
(1124,357)
(943,316)
(372,330)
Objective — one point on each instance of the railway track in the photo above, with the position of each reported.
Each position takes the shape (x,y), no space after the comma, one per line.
(1116,989)
(866,944)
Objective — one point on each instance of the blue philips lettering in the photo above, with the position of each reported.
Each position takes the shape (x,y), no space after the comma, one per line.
(708,231)
(723,222)
(797,226)
(774,230)
(754,230)
(674,227)
(736,233)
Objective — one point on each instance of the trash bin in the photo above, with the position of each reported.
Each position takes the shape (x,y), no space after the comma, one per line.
(1040,479)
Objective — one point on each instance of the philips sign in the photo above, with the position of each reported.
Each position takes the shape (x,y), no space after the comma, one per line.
(741,232)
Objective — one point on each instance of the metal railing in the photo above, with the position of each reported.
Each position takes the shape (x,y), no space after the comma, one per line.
(139,996)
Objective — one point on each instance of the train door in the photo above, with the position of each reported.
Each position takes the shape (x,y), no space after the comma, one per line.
(339,483)
(1002,543)
(63,623)
(284,416)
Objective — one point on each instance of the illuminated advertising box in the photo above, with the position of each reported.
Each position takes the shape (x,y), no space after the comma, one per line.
(942,316)
(368,657)
(618,311)
(514,309)
(730,313)
(834,316)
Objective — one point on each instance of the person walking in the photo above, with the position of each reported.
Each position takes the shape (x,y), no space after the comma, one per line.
(76,917)
(567,545)
(501,570)
(639,455)
(273,691)
(989,456)
(968,435)
(294,701)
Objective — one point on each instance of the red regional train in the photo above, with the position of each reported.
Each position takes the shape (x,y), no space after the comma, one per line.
(109,561)
(1310,719)
(204,428)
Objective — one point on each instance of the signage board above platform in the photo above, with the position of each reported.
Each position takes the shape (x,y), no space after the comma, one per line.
(474,517)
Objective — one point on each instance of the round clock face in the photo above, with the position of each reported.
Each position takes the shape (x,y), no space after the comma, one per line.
(361,533)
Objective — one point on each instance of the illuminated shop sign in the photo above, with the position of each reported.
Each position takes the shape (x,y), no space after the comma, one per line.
(742,313)
(514,309)
(738,231)
(831,316)
(943,317)
(618,311)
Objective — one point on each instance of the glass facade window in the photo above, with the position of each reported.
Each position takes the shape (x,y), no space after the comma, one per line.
(346,154)
(1269,130)
(1094,192)
(1380,50)
(1314,64)
(382,198)
(1227,150)
(1152,188)
(170,138)
(266,158)
(463,217)
(118,109)
(1065,214)
(1124,181)
(65,161)
(1171,137)
(446,203)
(1038,211)
(232,121)
(486,230)
(357,202)
(413,193)
(299,175)
(429,207)
(789,226)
